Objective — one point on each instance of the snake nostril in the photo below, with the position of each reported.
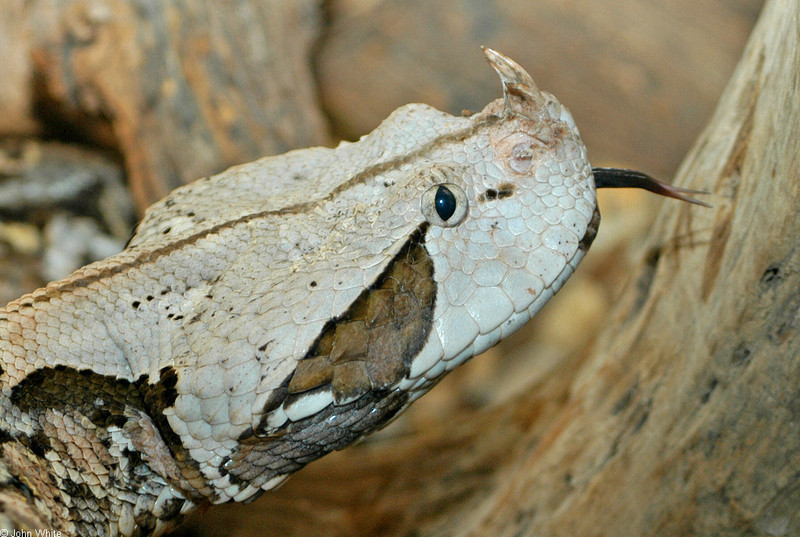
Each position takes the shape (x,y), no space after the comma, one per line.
(521,157)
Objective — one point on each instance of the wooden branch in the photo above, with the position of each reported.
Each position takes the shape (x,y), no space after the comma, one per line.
(682,421)
(179,89)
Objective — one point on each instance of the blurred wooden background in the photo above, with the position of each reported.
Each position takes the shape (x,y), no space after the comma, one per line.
(147,96)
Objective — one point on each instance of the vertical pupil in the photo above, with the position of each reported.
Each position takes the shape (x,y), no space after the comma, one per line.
(445,202)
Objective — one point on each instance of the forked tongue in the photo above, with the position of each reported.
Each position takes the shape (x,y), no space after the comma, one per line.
(621,178)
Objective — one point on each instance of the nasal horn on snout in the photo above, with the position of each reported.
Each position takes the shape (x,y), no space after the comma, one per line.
(518,86)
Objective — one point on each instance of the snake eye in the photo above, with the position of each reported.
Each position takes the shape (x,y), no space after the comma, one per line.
(445,202)
(444,205)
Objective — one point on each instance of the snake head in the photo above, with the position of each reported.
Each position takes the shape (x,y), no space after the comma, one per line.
(524,214)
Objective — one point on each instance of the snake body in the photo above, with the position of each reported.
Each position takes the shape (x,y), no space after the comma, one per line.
(268,315)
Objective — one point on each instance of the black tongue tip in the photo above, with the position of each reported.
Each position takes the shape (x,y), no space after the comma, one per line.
(621,178)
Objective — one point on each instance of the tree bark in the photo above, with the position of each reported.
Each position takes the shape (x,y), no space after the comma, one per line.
(682,420)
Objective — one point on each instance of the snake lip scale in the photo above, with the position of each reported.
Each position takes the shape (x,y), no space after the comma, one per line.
(285,308)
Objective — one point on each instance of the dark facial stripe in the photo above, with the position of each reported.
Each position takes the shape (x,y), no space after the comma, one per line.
(317,367)
(358,356)
(370,346)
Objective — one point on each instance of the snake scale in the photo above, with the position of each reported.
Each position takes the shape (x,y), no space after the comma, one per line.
(282,309)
